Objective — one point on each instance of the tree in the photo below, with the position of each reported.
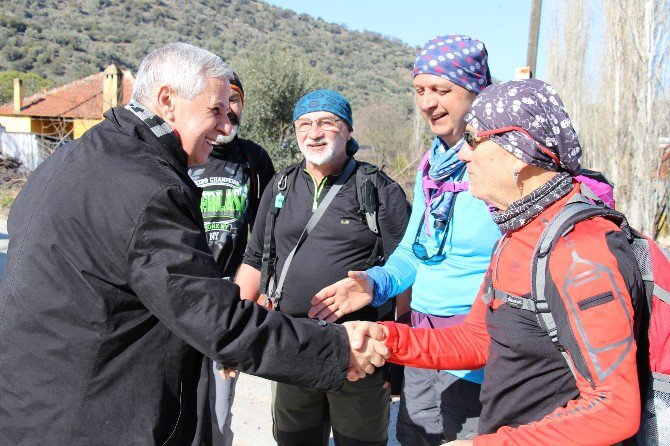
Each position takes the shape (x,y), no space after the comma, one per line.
(395,139)
(32,83)
(273,82)
(618,98)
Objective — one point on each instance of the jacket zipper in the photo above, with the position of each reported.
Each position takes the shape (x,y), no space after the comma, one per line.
(318,188)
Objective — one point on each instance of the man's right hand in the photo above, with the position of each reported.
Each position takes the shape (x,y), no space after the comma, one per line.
(343,297)
(367,346)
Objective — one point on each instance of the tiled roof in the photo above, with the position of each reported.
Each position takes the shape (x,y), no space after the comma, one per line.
(78,99)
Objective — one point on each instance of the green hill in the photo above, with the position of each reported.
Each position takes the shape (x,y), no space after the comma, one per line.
(279,54)
(64,41)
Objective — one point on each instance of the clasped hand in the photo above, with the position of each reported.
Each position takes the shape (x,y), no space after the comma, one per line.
(367,348)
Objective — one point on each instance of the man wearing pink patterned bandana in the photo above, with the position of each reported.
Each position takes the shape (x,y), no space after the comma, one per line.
(444,252)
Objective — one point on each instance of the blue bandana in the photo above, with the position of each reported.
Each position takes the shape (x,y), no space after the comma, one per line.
(460,59)
(324,100)
(444,163)
(328,101)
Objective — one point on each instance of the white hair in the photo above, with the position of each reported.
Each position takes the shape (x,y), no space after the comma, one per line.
(183,67)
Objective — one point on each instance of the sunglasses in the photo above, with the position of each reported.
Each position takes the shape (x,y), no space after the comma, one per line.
(474,138)
(420,250)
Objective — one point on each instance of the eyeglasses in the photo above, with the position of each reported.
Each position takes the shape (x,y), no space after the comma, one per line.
(471,139)
(326,124)
(421,252)
(474,138)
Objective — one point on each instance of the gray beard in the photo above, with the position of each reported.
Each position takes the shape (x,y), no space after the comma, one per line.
(318,159)
(221,140)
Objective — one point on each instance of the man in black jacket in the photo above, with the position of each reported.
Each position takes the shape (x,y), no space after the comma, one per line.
(233,180)
(111,295)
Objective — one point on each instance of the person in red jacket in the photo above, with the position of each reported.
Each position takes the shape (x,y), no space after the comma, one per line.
(522,153)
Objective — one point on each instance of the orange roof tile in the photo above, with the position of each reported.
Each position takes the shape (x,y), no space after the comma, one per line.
(78,99)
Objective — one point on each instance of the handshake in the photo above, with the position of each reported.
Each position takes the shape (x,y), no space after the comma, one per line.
(367,348)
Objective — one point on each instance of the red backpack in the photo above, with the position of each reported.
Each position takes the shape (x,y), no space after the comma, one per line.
(654,264)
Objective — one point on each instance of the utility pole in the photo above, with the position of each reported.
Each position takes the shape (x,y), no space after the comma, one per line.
(533,35)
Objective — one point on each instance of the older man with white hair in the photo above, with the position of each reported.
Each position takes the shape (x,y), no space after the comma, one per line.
(111,295)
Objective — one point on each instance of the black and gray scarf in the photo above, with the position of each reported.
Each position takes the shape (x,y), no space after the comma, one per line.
(158,126)
(525,209)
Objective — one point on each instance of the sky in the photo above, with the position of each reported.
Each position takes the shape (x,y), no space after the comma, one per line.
(502,25)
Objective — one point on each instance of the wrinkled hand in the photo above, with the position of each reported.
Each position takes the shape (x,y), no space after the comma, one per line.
(343,297)
(367,348)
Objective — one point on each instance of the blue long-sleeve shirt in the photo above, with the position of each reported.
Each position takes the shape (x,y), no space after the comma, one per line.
(447,288)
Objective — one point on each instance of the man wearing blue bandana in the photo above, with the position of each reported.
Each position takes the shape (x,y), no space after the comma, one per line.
(307,260)
(444,252)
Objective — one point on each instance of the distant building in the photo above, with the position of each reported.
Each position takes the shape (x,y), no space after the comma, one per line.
(35,125)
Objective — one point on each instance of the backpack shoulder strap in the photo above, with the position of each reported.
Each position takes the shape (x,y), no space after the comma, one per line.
(279,190)
(366,191)
(368,205)
(578,209)
(254,180)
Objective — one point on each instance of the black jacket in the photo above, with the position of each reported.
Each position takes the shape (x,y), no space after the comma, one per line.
(340,242)
(111,295)
(232,180)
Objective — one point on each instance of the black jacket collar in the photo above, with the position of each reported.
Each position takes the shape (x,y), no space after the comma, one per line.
(168,147)
(222,151)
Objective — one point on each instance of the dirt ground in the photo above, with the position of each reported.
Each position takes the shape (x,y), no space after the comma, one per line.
(12,178)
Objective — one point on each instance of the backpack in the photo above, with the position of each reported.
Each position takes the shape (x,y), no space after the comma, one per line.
(654,264)
(368,202)
(598,188)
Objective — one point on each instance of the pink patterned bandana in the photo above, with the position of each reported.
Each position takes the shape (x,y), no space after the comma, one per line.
(460,59)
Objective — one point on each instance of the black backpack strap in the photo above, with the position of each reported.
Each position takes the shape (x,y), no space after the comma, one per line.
(514,301)
(578,209)
(368,205)
(254,179)
(368,199)
(269,259)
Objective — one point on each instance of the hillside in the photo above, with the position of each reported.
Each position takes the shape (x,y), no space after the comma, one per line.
(64,41)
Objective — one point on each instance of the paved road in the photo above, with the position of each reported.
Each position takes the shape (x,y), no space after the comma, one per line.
(252,422)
